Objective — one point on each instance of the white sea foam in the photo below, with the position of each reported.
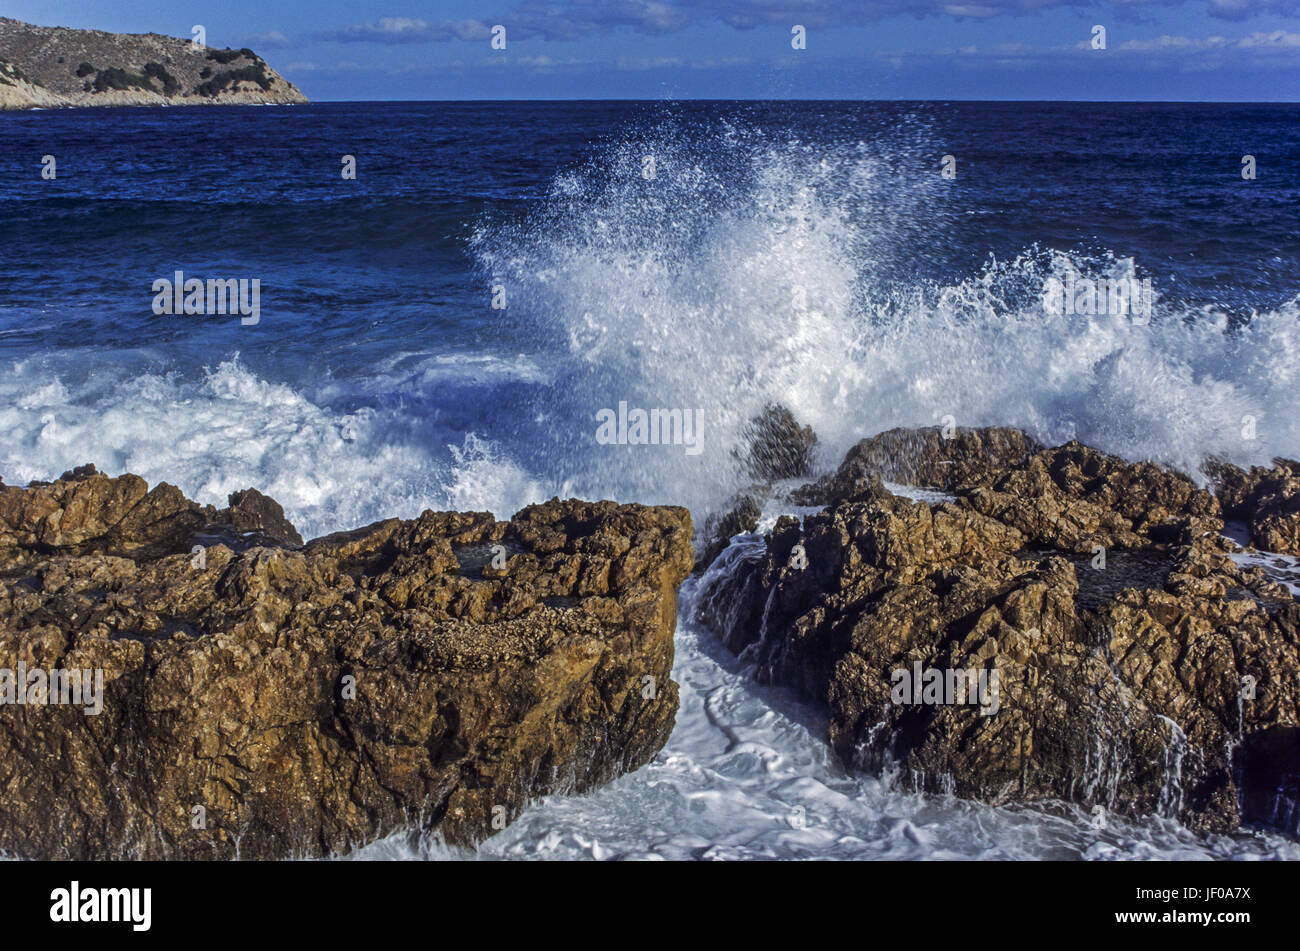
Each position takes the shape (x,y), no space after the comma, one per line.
(231,429)
(681,291)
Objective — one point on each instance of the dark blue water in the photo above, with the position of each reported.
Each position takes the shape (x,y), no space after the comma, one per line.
(379,367)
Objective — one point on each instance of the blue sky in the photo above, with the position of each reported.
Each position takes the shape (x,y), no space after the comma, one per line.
(725,49)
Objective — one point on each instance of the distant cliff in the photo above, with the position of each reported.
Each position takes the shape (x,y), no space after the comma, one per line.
(48,67)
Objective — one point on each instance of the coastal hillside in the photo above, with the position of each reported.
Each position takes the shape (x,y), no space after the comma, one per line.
(49,67)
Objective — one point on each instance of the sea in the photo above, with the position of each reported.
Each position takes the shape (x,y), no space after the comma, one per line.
(449,294)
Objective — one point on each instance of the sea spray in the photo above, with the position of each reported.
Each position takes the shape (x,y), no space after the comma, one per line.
(758,267)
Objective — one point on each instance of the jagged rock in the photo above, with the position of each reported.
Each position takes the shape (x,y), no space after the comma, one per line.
(251,511)
(1071,497)
(433,673)
(923,457)
(1268,500)
(85,511)
(719,530)
(1153,694)
(850,484)
(778,447)
(1075,498)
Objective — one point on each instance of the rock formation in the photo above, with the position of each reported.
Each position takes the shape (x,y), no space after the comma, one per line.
(47,67)
(778,447)
(264,699)
(1268,500)
(718,529)
(964,459)
(1127,664)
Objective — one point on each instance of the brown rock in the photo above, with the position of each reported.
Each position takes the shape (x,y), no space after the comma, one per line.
(778,447)
(250,511)
(303,702)
(719,530)
(1075,498)
(924,457)
(1268,500)
(1126,688)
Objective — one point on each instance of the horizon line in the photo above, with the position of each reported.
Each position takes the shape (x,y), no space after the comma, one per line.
(1189,102)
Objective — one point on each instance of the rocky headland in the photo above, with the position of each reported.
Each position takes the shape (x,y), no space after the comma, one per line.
(50,67)
(1126,661)
(262,698)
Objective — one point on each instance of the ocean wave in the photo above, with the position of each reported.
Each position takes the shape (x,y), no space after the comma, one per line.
(231,429)
(755,267)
